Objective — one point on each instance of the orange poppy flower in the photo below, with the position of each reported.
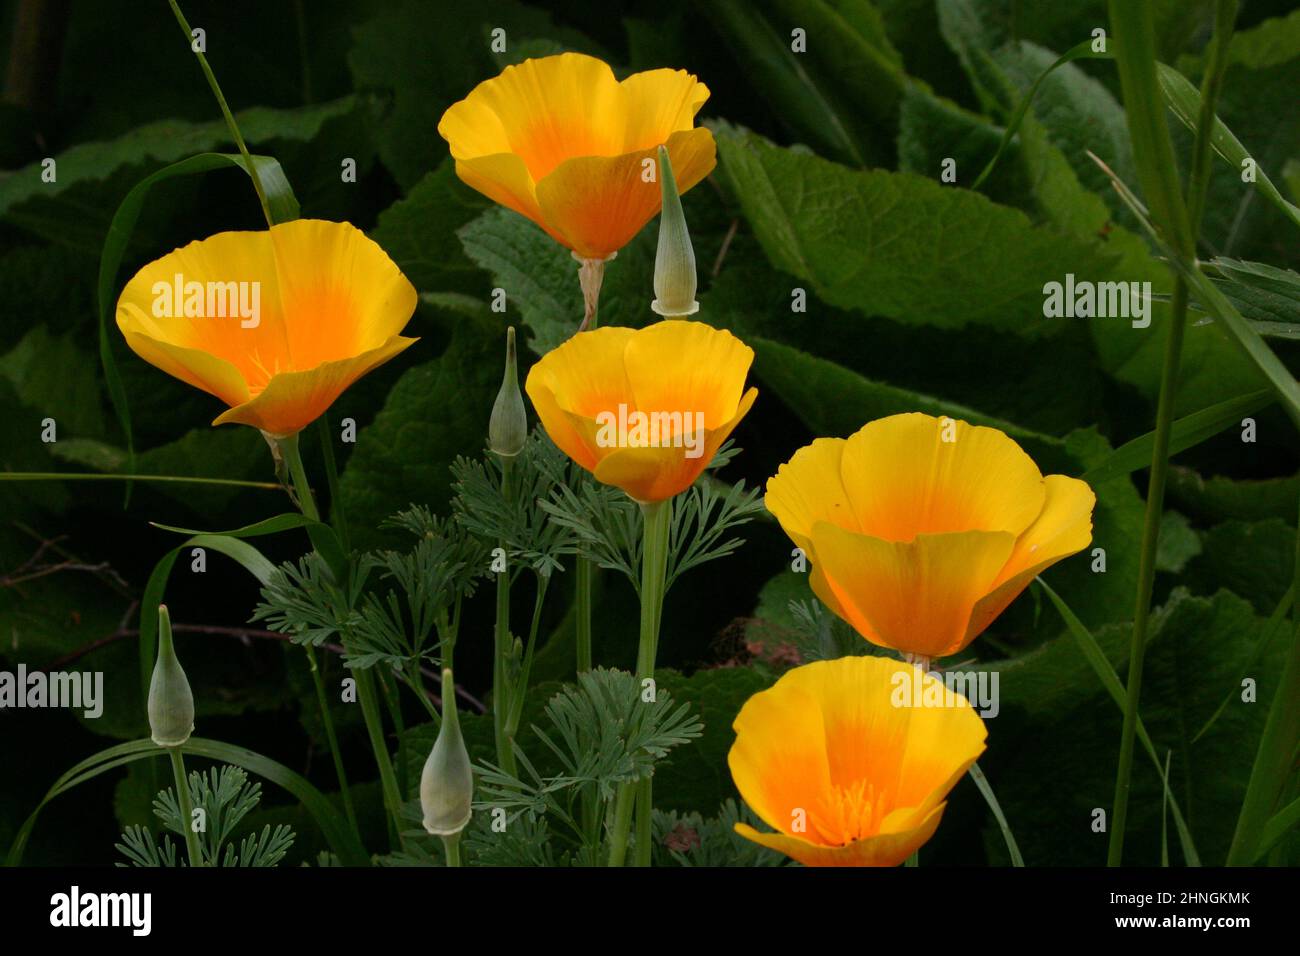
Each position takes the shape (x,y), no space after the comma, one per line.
(643,409)
(844,776)
(561,141)
(920,530)
(276,324)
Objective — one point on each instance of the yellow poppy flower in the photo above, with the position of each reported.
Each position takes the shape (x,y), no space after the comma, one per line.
(846,777)
(645,409)
(276,324)
(920,530)
(561,141)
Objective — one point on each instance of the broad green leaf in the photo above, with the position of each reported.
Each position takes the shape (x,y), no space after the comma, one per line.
(1219,497)
(1252,558)
(897,244)
(540,277)
(419,232)
(59,210)
(1057,732)
(834,401)
(1102,667)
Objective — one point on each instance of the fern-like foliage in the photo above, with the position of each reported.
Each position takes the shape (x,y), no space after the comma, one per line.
(220,800)
(607,730)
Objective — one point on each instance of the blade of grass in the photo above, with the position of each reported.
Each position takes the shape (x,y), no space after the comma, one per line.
(1134,37)
(986,790)
(1185,433)
(1101,666)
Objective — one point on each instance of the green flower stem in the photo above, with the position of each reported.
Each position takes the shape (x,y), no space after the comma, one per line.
(333,739)
(225,111)
(521,688)
(657,520)
(392,699)
(192,847)
(416,683)
(1275,756)
(298,475)
(337,517)
(1135,56)
(623,804)
(584,571)
(375,728)
(501,695)
(452,845)
(292,455)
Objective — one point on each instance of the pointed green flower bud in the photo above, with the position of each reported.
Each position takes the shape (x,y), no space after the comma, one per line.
(675,260)
(508,427)
(447,783)
(171,704)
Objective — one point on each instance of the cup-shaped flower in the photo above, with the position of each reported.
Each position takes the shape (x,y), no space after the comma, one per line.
(561,141)
(171,702)
(276,323)
(920,530)
(846,772)
(644,410)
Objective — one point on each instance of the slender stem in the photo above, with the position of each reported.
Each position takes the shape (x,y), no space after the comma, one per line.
(289,448)
(501,693)
(1153,150)
(520,690)
(332,737)
(589,801)
(584,573)
(192,847)
(1273,759)
(416,683)
(1146,570)
(657,520)
(375,728)
(225,111)
(337,516)
(452,845)
(622,823)
(392,700)
(175,479)
(298,475)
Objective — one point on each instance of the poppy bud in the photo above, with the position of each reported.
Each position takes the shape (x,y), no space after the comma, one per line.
(508,426)
(675,260)
(171,704)
(447,783)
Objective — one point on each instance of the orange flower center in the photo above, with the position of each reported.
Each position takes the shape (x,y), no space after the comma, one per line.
(849,812)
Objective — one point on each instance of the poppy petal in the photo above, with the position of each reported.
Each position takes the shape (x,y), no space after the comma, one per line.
(293,400)
(911,595)
(599,202)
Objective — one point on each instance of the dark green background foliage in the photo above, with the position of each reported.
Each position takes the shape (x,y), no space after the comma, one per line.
(920,295)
